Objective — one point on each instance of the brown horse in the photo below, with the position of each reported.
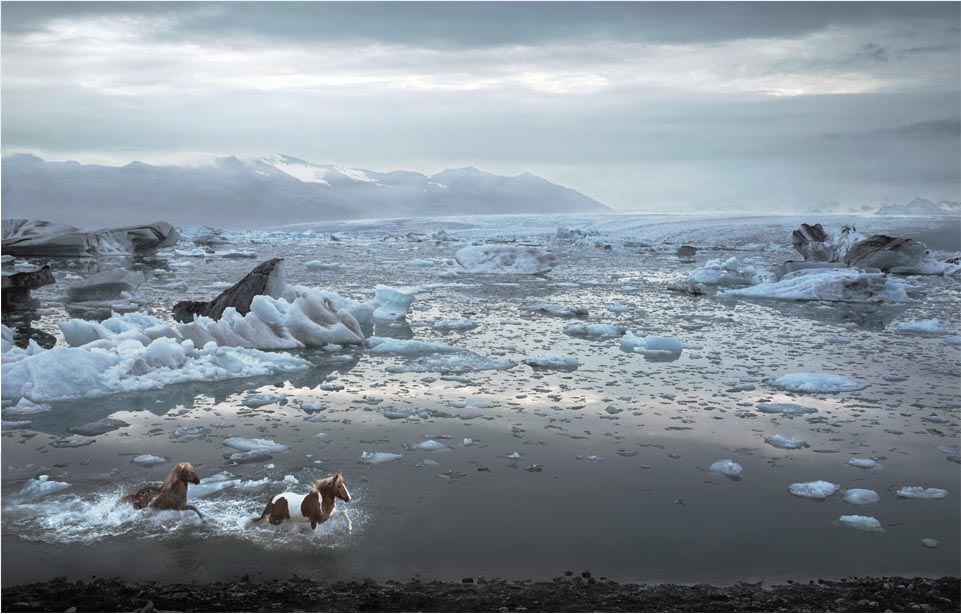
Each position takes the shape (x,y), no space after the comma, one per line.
(171,495)
(315,507)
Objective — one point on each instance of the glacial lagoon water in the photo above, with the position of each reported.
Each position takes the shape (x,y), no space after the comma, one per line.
(603,467)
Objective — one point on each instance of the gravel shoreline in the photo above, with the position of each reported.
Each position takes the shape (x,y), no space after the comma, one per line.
(568,593)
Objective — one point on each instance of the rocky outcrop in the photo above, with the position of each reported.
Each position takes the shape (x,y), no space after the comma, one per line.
(41,238)
(17,287)
(266,278)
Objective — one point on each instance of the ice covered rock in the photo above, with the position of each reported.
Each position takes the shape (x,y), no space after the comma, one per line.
(922,327)
(17,286)
(822,284)
(376,458)
(553,361)
(863,463)
(406,347)
(813,490)
(861,523)
(860,496)
(727,273)
(392,304)
(727,468)
(919,492)
(786,443)
(505,259)
(817,382)
(266,278)
(249,445)
(41,487)
(40,238)
(686,252)
(785,409)
(105,286)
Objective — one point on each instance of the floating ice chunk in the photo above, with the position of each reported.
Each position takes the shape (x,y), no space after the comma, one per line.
(514,455)
(843,285)
(860,496)
(26,408)
(248,445)
(464,324)
(236,254)
(251,456)
(212,484)
(462,362)
(407,347)
(318,265)
(813,490)
(863,463)
(817,382)
(655,346)
(922,327)
(619,308)
(595,330)
(861,523)
(105,286)
(468,441)
(553,361)
(954,340)
(727,468)
(918,492)
(42,487)
(505,259)
(376,458)
(13,425)
(929,542)
(253,486)
(392,304)
(727,273)
(553,309)
(430,445)
(313,406)
(473,404)
(786,409)
(259,400)
(149,460)
(786,443)
(196,252)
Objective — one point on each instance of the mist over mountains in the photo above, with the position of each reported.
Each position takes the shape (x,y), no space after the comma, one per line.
(271,190)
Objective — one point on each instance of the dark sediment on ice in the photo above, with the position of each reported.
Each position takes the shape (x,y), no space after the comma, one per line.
(573,592)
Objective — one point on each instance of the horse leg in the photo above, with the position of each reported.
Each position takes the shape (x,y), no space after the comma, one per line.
(267,511)
(350,527)
(195,510)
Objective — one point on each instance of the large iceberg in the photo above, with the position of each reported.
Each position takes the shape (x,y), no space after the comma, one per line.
(41,238)
(505,259)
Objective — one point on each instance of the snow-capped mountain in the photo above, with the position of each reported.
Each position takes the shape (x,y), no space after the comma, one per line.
(275,189)
(922,206)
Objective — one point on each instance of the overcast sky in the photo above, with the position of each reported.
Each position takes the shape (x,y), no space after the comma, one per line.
(648,105)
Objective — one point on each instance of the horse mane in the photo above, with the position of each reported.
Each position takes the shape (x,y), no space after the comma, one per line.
(172,478)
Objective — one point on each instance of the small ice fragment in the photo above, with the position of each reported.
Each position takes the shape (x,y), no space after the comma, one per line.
(430,445)
(917,492)
(42,487)
(863,463)
(149,460)
(929,542)
(786,443)
(376,458)
(727,468)
(817,382)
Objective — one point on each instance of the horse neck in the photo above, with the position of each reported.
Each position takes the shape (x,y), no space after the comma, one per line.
(327,502)
(179,488)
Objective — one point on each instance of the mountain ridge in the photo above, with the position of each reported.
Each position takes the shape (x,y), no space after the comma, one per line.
(261,191)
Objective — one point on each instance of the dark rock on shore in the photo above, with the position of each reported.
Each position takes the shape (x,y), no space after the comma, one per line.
(238,296)
(568,593)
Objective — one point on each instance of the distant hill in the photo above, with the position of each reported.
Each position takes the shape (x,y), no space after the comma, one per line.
(921,206)
(272,190)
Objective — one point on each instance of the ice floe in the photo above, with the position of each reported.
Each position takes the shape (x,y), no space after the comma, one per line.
(919,492)
(922,327)
(860,496)
(149,460)
(250,445)
(431,445)
(595,330)
(654,346)
(41,487)
(727,468)
(728,272)
(785,409)
(461,362)
(813,490)
(376,458)
(817,382)
(861,523)
(505,259)
(863,463)
(786,443)
(407,347)
(553,361)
